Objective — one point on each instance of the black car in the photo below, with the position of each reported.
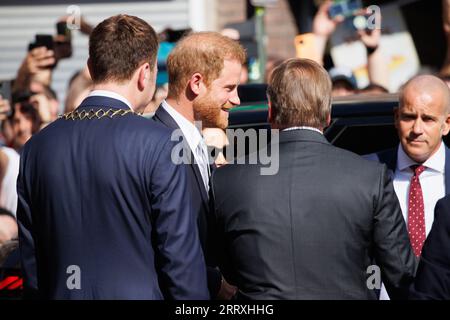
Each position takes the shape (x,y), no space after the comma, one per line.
(360,123)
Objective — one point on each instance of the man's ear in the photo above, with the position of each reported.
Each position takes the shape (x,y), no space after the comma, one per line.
(144,74)
(446,125)
(328,119)
(89,65)
(269,111)
(196,83)
(396,116)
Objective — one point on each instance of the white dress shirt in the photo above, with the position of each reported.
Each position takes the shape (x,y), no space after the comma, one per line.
(110,94)
(194,139)
(303,128)
(432,181)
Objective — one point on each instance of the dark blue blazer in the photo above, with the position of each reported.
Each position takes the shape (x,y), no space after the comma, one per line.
(201,207)
(103,195)
(433,275)
(389,157)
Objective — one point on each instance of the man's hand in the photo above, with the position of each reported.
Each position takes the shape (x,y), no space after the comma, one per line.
(227,291)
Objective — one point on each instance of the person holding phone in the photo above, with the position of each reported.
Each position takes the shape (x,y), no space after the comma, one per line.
(328,17)
(35,67)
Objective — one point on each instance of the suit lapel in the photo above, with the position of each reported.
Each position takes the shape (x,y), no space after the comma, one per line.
(389,157)
(164,117)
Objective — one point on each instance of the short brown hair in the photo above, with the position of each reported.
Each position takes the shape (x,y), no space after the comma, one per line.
(300,94)
(118,46)
(202,52)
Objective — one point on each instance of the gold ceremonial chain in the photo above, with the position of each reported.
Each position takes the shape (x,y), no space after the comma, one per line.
(98,114)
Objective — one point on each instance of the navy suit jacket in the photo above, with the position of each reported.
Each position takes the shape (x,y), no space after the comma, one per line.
(389,157)
(201,206)
(433,275)
(104,196)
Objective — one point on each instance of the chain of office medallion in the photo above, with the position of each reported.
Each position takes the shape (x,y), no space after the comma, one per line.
(97,114)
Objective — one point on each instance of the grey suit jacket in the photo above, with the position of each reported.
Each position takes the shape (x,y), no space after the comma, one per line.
(312,230)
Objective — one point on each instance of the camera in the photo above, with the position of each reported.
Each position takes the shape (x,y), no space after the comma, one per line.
(42,40)
(359,22)
(345,8)
(353,13)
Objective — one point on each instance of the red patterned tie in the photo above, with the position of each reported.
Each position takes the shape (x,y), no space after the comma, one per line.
(416,212)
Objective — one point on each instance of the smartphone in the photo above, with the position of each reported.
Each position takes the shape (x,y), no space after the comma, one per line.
(5,92)
(344,8)
(42,40)
(63,30)
(305,46)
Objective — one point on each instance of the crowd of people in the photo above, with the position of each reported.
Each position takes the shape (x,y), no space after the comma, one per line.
(98,189)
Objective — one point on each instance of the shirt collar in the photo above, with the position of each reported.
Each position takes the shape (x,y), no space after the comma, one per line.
(110,94)
(303,128)
(190,131)
(435,162)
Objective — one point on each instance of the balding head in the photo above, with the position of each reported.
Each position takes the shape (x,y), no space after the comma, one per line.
(423,116)
(426,88)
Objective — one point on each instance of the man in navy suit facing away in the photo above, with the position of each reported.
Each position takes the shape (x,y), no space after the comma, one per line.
(103,212)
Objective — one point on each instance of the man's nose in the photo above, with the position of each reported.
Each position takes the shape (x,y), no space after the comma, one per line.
(235,99)
(418,127)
